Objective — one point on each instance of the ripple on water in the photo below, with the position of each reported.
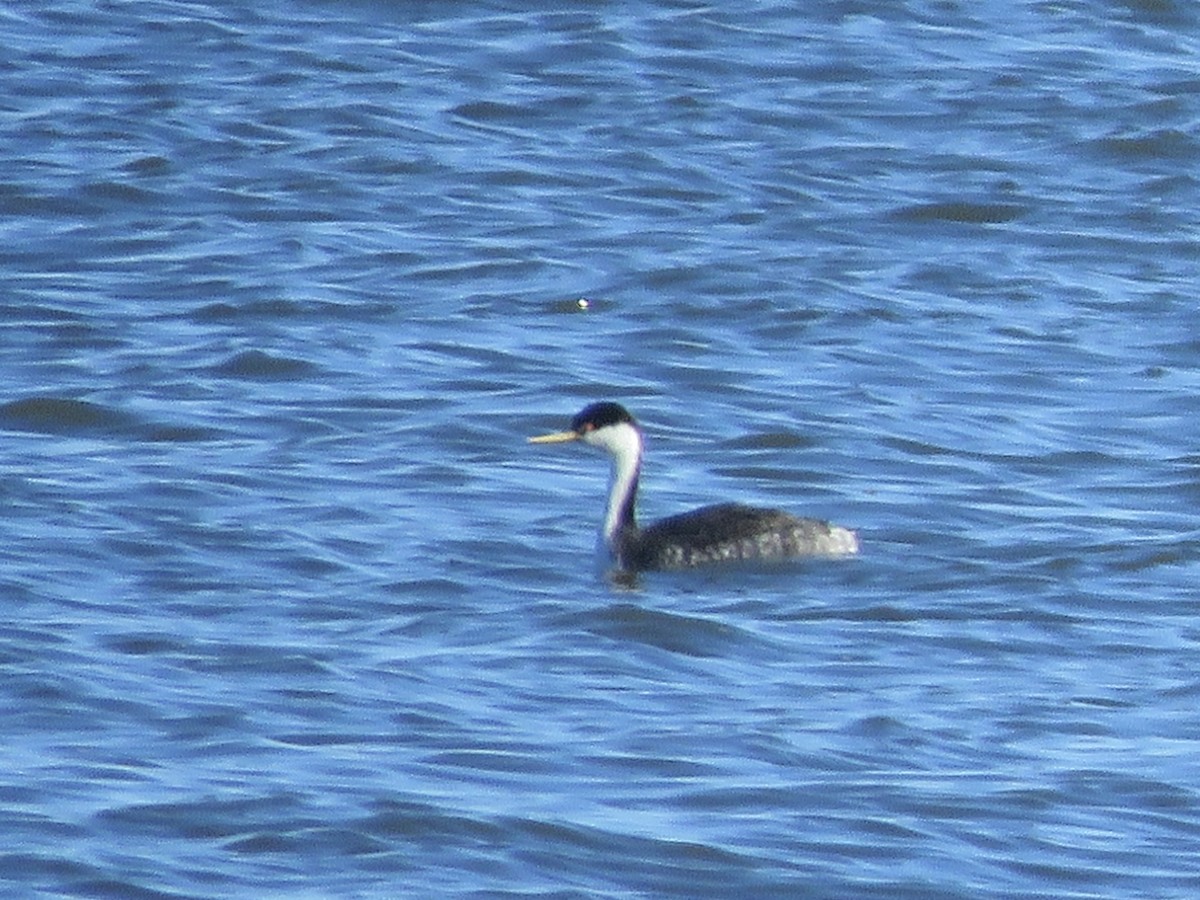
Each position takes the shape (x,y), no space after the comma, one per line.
(71,417)
(260,365)
(675,633)
(291,610)
(62,415)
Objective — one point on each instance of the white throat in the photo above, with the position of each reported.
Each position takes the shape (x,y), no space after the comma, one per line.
(623,442)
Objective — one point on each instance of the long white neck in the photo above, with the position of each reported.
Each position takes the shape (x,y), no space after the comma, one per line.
(623,442)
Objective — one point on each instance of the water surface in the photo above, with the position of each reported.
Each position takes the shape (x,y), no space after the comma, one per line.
(293,608)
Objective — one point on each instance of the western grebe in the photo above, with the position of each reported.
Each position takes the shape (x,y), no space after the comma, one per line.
(726,532)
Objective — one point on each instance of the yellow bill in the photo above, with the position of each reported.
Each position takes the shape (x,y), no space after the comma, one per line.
(558,437)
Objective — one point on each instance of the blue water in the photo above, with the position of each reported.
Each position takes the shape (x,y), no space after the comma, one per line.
(292,609)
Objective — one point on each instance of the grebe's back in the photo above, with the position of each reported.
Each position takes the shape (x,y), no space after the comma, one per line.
(732,532)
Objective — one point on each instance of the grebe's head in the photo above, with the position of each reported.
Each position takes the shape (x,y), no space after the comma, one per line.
(606,425)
